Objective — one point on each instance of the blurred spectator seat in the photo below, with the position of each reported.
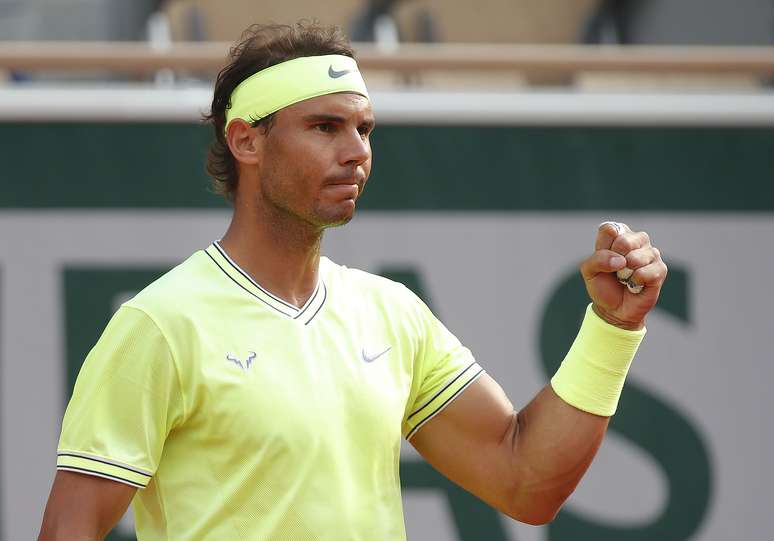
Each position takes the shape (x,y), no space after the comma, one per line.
(47,20)
(693,22)
(15,22)
(220,20)
(679,22)
(73,20)
(493,21)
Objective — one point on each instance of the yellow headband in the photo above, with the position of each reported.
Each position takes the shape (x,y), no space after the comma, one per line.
(290,82)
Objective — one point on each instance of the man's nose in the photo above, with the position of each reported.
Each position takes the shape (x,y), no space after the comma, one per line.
(356,149)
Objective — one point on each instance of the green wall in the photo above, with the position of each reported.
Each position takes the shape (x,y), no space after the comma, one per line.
(415,168)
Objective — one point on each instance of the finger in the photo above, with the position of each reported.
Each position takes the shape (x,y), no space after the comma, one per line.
(636,259)
(601,261)
(607,233)
(652,275)
(626,242)
(641,257)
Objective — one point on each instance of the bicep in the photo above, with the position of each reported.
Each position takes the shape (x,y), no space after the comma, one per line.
(467,441)
(81,506)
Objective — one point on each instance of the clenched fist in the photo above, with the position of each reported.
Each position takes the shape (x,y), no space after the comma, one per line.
(617,247)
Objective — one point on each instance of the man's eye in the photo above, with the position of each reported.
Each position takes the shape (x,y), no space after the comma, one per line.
(325,127)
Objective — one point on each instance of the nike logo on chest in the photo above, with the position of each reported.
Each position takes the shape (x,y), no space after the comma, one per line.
(370,357)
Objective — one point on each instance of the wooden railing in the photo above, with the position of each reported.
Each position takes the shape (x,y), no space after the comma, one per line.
(130,57)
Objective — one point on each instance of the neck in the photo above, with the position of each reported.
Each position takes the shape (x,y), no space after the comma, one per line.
(276,249)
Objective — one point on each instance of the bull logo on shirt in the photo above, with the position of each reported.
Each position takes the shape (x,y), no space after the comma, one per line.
(244,365)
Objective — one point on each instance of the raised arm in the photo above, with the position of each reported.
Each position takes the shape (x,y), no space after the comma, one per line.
(83,507)
(523,464)
(527,463)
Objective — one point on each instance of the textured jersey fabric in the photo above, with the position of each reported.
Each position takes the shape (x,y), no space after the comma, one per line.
(241,417)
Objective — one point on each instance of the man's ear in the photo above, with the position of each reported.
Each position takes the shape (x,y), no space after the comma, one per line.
(244,141)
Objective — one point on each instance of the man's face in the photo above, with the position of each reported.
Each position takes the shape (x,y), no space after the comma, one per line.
(316,159)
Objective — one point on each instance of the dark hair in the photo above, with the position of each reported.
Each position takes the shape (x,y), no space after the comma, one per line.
(261,46)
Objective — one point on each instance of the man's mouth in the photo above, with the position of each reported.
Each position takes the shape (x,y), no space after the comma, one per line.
(347,183)
(345,189)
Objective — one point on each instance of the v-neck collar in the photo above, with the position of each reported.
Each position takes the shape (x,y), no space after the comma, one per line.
(239,276)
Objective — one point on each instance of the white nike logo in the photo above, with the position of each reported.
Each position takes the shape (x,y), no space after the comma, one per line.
(371,358)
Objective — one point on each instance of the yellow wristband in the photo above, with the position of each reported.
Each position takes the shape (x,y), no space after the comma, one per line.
(592,374)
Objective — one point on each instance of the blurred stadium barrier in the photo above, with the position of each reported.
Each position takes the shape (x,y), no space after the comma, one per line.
(139,57)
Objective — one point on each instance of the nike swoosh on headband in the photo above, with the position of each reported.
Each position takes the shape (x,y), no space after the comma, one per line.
(333,74)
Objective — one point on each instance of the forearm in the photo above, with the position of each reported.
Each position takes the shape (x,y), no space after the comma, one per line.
(552,444)
(557,435)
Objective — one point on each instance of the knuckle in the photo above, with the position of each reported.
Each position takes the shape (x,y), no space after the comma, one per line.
(624,244)
(644,237)
(655,275)
(634,241)
(636,259)
(642,278)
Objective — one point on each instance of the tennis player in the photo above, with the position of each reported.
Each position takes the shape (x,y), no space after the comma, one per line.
(260,391)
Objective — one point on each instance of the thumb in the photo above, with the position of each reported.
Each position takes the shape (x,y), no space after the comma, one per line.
(602,261)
